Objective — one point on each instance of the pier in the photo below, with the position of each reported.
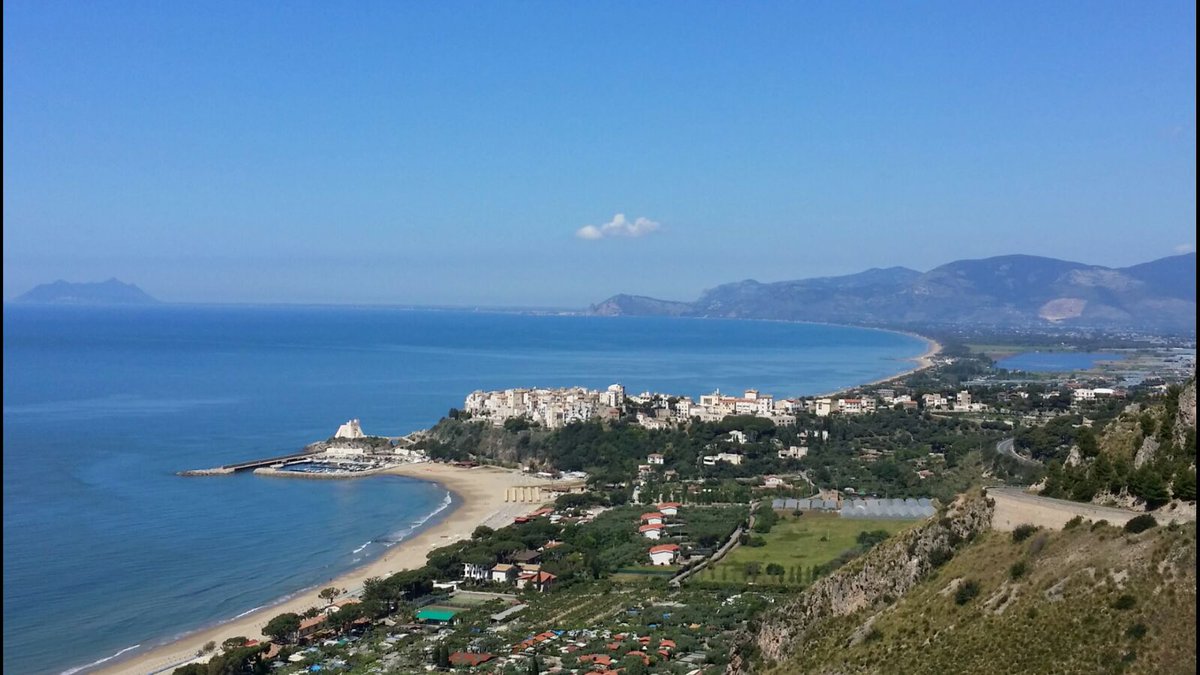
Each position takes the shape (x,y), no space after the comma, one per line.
(248,465)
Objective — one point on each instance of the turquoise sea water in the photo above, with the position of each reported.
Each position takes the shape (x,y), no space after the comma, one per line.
(105,548)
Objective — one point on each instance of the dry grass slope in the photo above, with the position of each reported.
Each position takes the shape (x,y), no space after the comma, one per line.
(1081,600)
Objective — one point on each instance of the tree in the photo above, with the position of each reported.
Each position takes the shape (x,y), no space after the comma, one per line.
(1148,484)
(777,571)
(534,668)
(328,594)
(233,642)
(752,568)
(482,532)
(283,627)
(442,656)
(1184,485)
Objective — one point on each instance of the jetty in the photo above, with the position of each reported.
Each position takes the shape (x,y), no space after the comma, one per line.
(227,469)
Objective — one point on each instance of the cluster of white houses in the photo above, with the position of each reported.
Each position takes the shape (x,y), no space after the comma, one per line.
(654,526)
(554,408)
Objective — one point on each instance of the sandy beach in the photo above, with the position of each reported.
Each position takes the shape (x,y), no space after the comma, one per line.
(480,494)
(933,348)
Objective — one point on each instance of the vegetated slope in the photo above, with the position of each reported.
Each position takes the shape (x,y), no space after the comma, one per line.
(1083,600)
(1014,290)
(111,292)
(1144,458)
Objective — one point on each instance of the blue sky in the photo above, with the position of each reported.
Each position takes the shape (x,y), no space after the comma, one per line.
(457,153)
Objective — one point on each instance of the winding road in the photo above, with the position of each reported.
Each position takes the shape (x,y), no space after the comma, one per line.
(1006,447)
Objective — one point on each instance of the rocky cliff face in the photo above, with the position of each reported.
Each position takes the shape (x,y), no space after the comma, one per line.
(1185,419)
(881,576)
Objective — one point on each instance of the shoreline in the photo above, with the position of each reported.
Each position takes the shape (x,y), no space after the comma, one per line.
(477,497)
(923,361)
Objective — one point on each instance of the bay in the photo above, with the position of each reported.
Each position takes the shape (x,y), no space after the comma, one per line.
(105,548)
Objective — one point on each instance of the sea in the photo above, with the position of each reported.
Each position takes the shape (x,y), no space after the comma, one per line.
(107,551)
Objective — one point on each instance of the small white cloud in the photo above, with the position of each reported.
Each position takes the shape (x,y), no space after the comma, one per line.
(619,226)
(1185,248)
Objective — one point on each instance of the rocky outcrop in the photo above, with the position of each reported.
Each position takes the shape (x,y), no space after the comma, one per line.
(882,575)
(1185,419)
(1145,453)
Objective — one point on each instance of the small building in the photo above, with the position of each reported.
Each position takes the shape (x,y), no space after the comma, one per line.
(476,572)
(663,554)
(654,518)
(501,617)
(310,627)
(773,481)
(504,573)
(527,556)
(793,452)
(538,581)
(436,615)
(651,531)
(669,508)
(469,659)
(655,458)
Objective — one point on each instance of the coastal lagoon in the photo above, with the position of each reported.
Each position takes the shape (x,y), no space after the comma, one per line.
(105,548)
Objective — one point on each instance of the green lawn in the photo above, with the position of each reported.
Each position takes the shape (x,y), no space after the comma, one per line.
(807,540)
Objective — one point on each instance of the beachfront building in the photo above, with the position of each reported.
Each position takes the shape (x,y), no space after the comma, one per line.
(663,554)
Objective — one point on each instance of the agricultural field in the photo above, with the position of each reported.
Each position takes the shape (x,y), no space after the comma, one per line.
(799,543)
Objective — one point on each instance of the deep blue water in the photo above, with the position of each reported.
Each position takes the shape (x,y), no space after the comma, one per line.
(105,548)
(1056,362)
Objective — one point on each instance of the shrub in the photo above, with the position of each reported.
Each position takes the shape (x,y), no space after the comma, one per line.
(1099,524)
(940,556)
(967,590)
(1038,543)
(1136,632)
(1072,523)
(1124,601)
(1140,523)
(1018,569)
(1022,532)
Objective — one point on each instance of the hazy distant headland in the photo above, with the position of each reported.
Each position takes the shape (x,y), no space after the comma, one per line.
(1015,291)
(111,292)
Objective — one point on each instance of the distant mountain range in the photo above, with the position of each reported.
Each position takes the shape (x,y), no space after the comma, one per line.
(111,292)
(1014,291)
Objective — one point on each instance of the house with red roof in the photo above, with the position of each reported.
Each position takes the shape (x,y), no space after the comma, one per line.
(471,659)
(538,581)
(599,659)
(664,554)
(654,518)
(651,531)
(669,508)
